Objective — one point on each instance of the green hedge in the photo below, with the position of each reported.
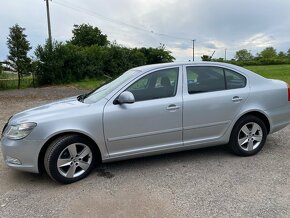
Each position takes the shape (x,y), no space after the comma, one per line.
(64,62)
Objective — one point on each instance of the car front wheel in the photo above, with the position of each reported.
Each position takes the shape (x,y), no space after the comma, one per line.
(69,158)
(248,136)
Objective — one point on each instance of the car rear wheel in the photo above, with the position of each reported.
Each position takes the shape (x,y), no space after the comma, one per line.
(248,136)
(69,158)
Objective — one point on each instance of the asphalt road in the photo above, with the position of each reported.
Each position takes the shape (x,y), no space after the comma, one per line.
(207,182)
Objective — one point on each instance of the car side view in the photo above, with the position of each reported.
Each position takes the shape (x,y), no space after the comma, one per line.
(148,110)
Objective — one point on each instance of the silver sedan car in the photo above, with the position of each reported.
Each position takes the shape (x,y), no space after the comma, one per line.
(148,110)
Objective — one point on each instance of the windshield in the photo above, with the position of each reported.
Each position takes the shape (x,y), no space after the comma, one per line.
(108,88)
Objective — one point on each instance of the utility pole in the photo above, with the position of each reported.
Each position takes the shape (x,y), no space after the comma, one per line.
(193,49)
(225,54)
(48,22)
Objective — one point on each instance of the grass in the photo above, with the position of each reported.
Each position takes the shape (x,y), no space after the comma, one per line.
(10,81)
(26,82)
(281,72)
(6,75)
(88,84)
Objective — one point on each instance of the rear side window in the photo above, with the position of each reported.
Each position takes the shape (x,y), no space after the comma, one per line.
(205,79)
(209,79)
(234,80)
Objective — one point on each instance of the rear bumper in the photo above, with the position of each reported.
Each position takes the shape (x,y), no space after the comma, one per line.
(280,118)
(21,154)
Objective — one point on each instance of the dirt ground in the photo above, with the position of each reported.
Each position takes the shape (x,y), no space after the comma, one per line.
(200,183)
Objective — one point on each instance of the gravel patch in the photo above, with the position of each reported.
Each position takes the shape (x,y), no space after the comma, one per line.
(207,182)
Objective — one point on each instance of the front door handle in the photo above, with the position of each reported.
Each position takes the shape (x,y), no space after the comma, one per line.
(237,99)
(172,107)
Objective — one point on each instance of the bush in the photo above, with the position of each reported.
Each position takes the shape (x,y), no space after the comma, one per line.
(61,63)
(119,59)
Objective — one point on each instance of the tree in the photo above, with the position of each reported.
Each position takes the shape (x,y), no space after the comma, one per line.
(243,55)
(268,53)
(18,47)
(282,55)
(206,58)
(49,63)
(288,53)
(1,68)
(157,55)
(87,35)
(118,59)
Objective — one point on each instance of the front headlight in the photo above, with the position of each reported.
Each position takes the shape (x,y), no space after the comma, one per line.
(19,131)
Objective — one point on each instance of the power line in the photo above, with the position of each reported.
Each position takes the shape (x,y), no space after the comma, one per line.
(100,16)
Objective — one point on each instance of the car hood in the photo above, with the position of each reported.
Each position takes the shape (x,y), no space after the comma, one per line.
(63,106)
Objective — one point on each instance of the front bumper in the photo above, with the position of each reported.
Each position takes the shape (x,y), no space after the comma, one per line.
(21,154)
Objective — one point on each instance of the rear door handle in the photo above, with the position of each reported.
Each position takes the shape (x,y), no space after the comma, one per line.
(237,99)
(172,107)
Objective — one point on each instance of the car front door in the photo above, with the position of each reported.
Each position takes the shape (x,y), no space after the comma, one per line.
(213,96)
(153,122)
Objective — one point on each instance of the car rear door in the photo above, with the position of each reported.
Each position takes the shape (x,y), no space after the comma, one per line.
(212,96)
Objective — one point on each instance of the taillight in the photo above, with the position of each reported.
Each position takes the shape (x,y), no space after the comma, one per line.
(288,93)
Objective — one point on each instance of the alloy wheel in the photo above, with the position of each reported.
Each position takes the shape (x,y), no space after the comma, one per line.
(74,160)
(250,136)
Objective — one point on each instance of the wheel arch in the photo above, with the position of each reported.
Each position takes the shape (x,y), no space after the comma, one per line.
(41,168)
(260,115)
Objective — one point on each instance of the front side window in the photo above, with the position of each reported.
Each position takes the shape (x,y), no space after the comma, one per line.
(159,84)
(205,79)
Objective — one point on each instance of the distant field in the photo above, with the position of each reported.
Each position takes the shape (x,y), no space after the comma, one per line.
(281,72)
(10,81)
(12,84)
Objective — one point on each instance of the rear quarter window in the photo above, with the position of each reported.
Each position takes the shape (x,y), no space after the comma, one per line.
(234,80)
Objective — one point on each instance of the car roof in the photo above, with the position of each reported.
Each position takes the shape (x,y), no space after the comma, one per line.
(172,64)
(236,68)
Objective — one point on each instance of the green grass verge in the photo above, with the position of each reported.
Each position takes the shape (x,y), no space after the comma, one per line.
(281,72)
(26,82)
(6,75)
(10,81)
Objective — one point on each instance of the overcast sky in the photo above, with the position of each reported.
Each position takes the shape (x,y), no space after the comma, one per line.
(214,24)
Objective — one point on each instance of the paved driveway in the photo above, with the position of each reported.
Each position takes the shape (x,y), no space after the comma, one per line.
(199,183)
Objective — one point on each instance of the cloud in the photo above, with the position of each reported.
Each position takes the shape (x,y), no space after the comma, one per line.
(260,40)
(210,45)
(215,24)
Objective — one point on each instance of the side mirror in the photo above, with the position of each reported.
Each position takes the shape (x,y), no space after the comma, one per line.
(125,98)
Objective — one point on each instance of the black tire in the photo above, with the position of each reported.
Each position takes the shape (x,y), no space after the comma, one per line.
(237,133)
(61,146)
